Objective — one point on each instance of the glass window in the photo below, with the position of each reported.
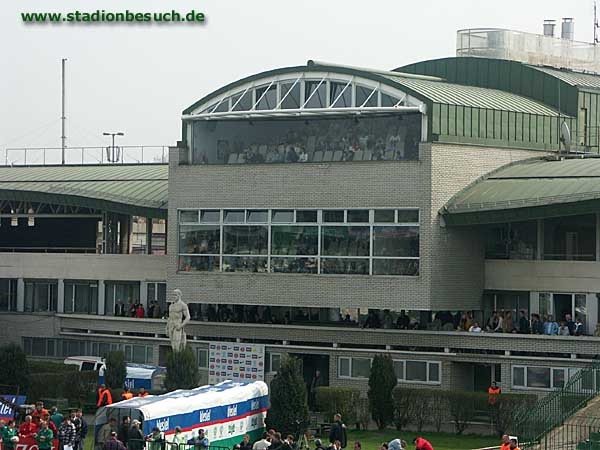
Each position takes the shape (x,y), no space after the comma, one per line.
(388,100)
(399,369)
(517,240)
(266,97)
(416,371)
(385,216)
(292,99)
(558,378)
(223,106)
(340,95)
(283,216)
(333,215)
(244,264)
(120,296)
(198,264)
(345,241)
(234,216)
(538,377)
(294,240)
(275,361)
(188,216)
(139,354)
(407,267)
(344,367)
(81,297)
(8,295)
(395,241)
(210,216)
(309,216)
(570,238)
(257,216)
(243,100)
(361,367)
(41,296)
(245,240)
(366,94)
(314,92)
(199,239)
(203,358)
(358,215)
(434,372)
(408,216)
(293,265)
(345,266)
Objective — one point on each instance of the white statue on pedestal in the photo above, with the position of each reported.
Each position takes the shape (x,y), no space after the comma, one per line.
(179,316)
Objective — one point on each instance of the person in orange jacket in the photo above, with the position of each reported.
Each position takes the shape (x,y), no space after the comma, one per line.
(127,394)
(104,396)
(493,392)
(505,444)
(142,392)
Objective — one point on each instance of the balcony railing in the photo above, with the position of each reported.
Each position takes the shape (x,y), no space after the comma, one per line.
(139,154)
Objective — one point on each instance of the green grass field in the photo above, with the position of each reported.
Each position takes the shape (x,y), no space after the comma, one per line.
(371,440)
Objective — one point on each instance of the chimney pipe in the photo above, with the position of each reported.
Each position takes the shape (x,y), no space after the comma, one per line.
(568,29)
(549,25)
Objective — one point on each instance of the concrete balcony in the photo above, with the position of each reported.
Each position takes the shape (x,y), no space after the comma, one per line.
(71,266)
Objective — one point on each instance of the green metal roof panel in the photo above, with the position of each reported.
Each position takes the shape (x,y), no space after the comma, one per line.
(579,79)
(530,184)
(132,188)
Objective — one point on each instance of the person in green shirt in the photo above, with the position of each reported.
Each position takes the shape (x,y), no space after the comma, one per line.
(56,417)
(44,437)
(10,436)
(155,440)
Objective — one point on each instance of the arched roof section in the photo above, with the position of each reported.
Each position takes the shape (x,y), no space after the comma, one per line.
(126,189)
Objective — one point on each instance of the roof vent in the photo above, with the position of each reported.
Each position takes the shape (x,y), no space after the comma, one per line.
(568,29)
(549,25)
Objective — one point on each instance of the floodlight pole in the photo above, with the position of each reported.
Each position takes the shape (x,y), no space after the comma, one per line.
(63,118)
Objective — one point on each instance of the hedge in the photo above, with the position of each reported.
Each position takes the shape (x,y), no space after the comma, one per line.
(333,400)
(72,385)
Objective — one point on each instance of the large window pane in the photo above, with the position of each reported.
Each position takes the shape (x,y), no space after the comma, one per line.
(333,216)
(517,240)
(570,238)
(309,216)
(385,216)
(345,241)
(538,377)
(243,100)
(257,216)
(434,372)
(314,92)
(408,216)
(408,267)
(210,216)
(345,266)
(81,297)
(8,295)
(416,371)
(266,97)
(292,99)
(358,216)
(365,96)
(558,378)
(234,216)
(245,240)
(294,240)
(361,367)
(293,265)
(244,264)
(202,239)
(282,216)
(344,367)
(188,216)
(120,296)
(396,241)
(340,95)
(399,369)
(41,296)
(199,264)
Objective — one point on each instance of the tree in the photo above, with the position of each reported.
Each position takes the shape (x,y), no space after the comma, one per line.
(182,370)
(382,382)
(289,404)
(116,370)
(14,368)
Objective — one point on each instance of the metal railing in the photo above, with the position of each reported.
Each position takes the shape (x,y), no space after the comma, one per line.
(130,154)
(535,425)
(138,444)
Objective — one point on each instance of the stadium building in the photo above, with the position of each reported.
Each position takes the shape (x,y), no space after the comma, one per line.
(334,212)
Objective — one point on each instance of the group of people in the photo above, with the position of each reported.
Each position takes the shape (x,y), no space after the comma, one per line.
(105,398)
(136,309)
(43,426)
(503,322)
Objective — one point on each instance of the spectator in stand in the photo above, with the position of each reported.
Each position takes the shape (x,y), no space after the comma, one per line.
(123,432)
(155,439)
(579,327)
(570,324)
(492,323)
(288,443)
(119,308)
(264,443)
(338,431)
(276,441)
(537,327)
(178,438)
(105,433)
(402,321)
(563,329)
(524,325)
(139,311)
(56,417)
(44,436)
(51,426)
(475,328)
(113,443)
(27,428)
(10,435)
(66,434)
(507,324)
(422,444)
(246,444)
(550,326)
(199,442)
(135,437)
(38,412)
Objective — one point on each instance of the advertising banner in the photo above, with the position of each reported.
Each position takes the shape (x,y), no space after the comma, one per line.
(234,361)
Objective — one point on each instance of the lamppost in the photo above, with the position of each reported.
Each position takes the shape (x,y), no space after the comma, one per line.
(113,153)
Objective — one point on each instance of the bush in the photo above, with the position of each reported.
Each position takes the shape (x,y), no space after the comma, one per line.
(382,382)
(332,400)
(14,368)
(403,398)
(503,412)
(73,385)
(116,370)
(462,407)
(363,415)
(288,412)
(182,370)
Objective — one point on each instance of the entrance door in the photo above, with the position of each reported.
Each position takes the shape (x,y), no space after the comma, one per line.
(482,377)
(563,305)
(311,364)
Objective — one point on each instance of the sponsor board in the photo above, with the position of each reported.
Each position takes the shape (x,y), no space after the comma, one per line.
(232,361)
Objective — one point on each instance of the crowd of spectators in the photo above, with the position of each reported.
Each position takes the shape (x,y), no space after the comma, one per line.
(136,309)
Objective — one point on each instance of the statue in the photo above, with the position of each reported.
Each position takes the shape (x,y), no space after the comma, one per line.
(179,316)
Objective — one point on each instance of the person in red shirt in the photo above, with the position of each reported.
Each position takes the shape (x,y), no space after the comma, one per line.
(139,311)
(28,428)
(422,444)
(38,412)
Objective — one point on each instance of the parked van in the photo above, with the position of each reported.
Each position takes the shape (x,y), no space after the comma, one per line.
(85,363)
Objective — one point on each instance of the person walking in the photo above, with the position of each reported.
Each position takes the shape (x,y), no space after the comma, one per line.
(338,431)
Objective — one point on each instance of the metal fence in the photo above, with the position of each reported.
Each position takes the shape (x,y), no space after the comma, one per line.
(136,444)
(553,421)
(141,154)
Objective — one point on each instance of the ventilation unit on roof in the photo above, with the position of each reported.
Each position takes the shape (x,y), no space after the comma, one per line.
(567,29)
(549,25)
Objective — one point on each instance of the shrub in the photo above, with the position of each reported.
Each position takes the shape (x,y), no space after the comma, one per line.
(382,381)
(462,407)
(363,415)
(73,385)
(439,409)
(288,412)
(14,368)
(506,408)
(403,398)
(116,369)
(182,370)
(332,400)
(419,410)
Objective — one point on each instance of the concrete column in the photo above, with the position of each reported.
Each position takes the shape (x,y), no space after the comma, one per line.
(540,240)
(144,294)
(101,297)
(60,306)
(597,236)
(20,295)
(149,235)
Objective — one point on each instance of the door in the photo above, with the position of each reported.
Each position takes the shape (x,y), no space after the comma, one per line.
(563,305)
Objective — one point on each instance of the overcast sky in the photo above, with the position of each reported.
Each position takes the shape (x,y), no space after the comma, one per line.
(138,78)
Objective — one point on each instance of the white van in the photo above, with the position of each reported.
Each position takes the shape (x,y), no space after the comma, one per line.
(85,363)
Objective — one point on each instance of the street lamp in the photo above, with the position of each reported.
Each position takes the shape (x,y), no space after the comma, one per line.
(113,153)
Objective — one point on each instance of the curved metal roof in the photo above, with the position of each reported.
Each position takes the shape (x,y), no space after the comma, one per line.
(527,190)
(140,189)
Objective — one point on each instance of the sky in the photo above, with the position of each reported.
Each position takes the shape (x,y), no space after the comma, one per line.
(138,78)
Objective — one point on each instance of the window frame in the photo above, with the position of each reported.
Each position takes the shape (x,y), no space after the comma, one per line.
(428,364)
(567,374)
(350,360)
